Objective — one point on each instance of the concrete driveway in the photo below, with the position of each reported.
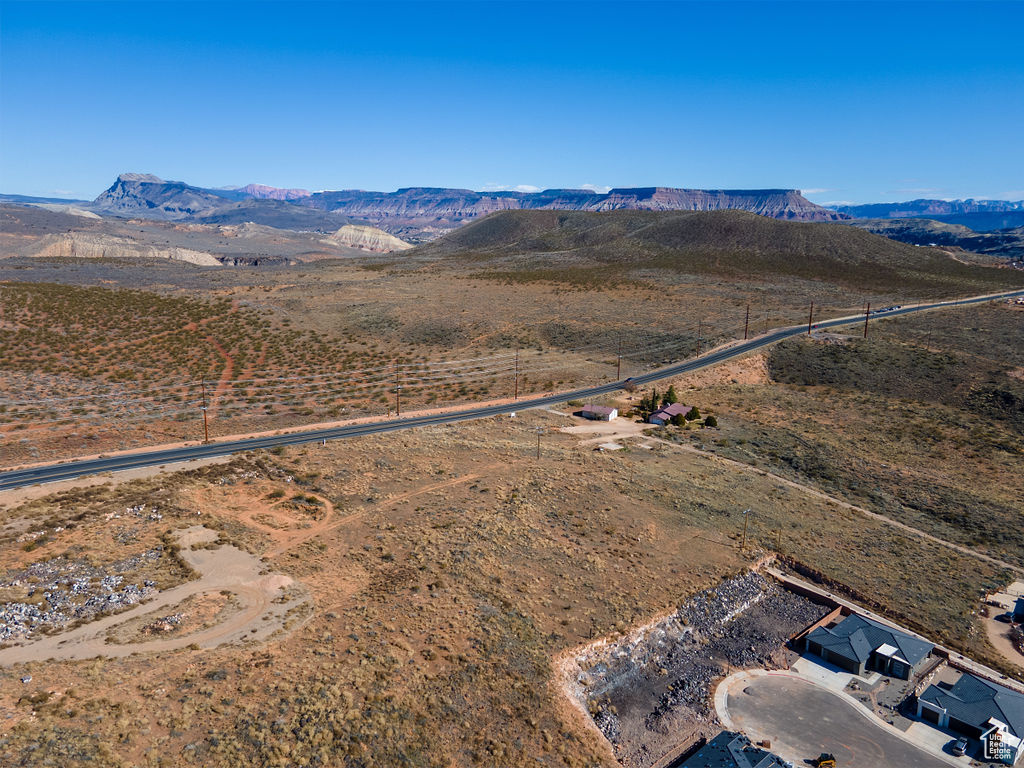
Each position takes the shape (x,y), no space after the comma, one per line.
(803,720)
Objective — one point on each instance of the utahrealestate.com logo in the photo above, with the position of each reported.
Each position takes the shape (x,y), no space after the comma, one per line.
(994,748)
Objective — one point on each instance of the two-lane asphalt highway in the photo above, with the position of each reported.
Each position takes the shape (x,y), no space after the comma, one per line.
(77,468)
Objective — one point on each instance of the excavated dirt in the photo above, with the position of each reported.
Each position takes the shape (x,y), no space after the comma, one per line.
(649,694)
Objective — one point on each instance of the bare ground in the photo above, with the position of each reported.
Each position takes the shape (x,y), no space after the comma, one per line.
(266,600)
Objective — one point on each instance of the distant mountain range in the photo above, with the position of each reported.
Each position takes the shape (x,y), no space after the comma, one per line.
(139,195)
(420,214)
(979,215)
(417,213)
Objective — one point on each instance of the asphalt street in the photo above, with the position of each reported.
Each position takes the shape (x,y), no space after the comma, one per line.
(18,478)
(802,720)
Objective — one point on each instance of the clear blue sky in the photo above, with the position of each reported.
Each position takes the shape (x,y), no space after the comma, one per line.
(854,101)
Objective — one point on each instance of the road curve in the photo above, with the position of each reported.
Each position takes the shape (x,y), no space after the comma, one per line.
(49,473)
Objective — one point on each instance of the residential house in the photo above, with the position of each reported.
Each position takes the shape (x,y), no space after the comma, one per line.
(979,709)
(664,414)
(858,644)
(733,750)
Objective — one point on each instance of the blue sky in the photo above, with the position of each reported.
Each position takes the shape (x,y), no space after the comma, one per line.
(857,101)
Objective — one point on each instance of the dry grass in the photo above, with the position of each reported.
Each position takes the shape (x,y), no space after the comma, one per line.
(459,567)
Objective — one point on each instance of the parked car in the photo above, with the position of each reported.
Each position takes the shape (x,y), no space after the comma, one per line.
(959,747)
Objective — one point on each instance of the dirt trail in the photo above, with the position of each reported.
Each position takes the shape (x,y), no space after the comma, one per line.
(266,600)
(811,491)
(296,538)
(224,382)
(327,524)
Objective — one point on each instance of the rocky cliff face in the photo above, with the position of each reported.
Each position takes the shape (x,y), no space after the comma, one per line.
(147,196)
(447,208)
(420,213)
(88,245)
(367,239)
(261,192)
(786,204)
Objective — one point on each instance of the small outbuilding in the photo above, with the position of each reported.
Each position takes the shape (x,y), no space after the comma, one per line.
(664,414)
(1018,610)
(599,412)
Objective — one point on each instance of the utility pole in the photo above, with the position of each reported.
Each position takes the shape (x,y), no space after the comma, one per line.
(867,314)
(515,387)
(746,516)
(540,431)
(398,393)
(810,318)
(206,425)
(618,361)
(746,323)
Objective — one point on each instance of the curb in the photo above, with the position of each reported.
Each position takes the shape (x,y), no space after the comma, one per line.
(722,711)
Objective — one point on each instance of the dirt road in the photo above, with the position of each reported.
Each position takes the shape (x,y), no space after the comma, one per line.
(810,491)
(266,601)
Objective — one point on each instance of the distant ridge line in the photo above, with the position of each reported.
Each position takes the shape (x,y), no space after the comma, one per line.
(418,214)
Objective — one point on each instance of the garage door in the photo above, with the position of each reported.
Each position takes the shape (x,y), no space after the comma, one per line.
(964,728)
(929,715)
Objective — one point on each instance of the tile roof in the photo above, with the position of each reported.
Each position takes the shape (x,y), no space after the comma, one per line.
(975,701)
(855,637)
(732,750)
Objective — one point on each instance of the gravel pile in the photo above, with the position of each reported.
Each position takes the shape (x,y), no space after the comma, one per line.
(62,591)
(691,691)
(673,642)
(608,723)
(754,639)
(643,688)
(711,609)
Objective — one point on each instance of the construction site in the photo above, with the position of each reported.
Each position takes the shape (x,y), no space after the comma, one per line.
(650,693)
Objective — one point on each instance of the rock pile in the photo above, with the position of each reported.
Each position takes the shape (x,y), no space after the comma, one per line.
(164,624)
(61,591)
(656,684)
